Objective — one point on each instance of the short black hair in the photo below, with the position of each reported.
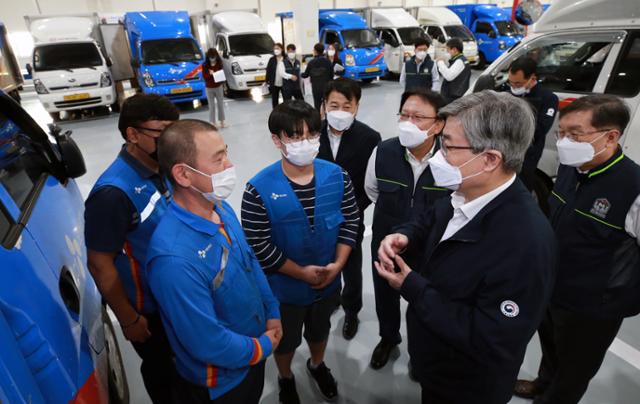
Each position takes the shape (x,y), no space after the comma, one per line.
(289,118)
(525,64)
(422,40)
(455,43)
(291,47)
(319,48)
(141,108)
(279,45)
(347,87)
(434,99)
(606,111)
(177,144)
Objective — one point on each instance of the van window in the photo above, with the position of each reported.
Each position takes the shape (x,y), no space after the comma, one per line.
(160,51)
(409,35)
(625,79)
(483,28)
(436,34)
(459,31)
(388,37)
(221,46)
(331,37)
(21,165)
(251,44)
(65,56)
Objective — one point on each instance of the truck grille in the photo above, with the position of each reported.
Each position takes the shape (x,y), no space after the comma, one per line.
(254,83)
(78,103)
(183,96)
(70,87)
(171,81)
(255,71)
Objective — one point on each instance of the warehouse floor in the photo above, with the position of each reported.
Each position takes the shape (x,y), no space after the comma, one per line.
(250,150)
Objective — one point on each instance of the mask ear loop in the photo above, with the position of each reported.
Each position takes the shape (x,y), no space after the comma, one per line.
(595,140)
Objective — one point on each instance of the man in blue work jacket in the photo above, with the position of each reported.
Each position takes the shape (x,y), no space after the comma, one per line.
(220,315)
(486,274)
(121,213)
(301,218)
(595,212)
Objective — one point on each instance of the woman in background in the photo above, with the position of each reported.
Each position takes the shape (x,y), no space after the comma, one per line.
(215,91)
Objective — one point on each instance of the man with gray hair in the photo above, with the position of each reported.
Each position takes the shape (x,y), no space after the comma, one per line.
(488,257)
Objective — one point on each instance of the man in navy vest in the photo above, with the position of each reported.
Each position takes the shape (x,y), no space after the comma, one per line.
(420,71)
(220,315)
(121,213)
(457,74)
(595,212)
(301,218)
(291,87)
(400,183)
(488,255)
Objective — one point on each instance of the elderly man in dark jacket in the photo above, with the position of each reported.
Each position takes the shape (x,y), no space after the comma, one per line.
(489,253)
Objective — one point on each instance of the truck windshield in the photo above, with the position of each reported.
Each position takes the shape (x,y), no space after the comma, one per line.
(160,51)
(250,44)
(459,31)
(66,56)
(360,38)
(508,28)
(408,35)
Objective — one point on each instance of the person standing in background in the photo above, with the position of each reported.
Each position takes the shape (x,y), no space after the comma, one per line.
(336,64)
(291,75)
(275,70)
(455,76)
(320,71)
(215,91)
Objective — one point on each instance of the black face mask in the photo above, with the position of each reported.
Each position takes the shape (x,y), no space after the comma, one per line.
(154,154)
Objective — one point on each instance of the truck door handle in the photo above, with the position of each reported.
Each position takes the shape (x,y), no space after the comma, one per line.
(69,292)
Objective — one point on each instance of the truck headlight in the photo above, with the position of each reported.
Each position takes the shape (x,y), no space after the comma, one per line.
(105,80)
(350,60)
(236,69)
(502,45)
(40,88)
(148,80)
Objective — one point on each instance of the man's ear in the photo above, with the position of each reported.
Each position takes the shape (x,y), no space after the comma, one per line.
(276,141)
(493,159)
(132,135)
(613,137)
(181,175)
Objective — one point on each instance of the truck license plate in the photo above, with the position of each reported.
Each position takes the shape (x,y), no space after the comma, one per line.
(181,90)
(371,69)
(75,97)
(261,78)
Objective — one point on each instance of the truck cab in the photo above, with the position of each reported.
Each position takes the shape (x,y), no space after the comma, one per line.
(442,24)
(361,52)
(69,69)
(242,40)
(57,344)
(589,48)
(166,58)
(398,30)
(492,27)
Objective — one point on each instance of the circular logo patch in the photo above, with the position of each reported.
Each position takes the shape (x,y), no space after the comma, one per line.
(509,308)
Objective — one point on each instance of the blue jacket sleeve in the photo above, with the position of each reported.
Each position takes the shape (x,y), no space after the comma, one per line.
(271,304)
(186,304)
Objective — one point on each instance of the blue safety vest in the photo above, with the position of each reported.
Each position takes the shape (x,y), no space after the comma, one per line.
(291,231)
(150,206)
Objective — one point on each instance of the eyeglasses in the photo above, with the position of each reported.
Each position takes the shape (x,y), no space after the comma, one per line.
(576,136)
(158,131)
(296,137)
(416,118)
(445,148)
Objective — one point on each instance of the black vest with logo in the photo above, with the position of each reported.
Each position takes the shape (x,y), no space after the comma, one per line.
(415,78)
(598,269)
(397,199)
(456,88)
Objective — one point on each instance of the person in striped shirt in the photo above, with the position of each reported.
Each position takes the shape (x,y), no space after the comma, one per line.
(301,218)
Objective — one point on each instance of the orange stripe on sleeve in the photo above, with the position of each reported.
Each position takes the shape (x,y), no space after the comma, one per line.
(212,376)
(135,274)
(257,352)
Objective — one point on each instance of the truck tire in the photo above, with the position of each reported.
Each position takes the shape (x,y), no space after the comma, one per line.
(118,386)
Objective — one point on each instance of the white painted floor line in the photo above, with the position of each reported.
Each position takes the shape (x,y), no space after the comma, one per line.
(625,352)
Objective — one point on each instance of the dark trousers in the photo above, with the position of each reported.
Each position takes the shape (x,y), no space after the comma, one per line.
(157,361)
(573,348)
(351,298)
(289,93)
(387,302)
(275,95)
(248,391)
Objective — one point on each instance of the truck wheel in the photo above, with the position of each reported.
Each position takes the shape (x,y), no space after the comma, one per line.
(229,93)
(118,387)
(542,186)
(367,81)
(55,116)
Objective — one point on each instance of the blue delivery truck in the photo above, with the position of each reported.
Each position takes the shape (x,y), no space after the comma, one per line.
(362,53)
(57,344)
(166,57)
(492,27)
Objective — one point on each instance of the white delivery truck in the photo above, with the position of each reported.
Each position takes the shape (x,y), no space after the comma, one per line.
(69,69)
(581,48)
(243,42)
(398,30)
(442,24)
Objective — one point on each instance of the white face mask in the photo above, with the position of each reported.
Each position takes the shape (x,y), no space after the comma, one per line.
(222,184)
(291,55)
(519,91)
(410,135)
(448,176)
(421,55)
(277,52)
(340,120)
(331,52)
(213,61)
(575,154)
(303,152)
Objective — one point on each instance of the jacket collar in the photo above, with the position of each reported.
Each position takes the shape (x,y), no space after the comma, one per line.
(196,222)
(604,167)
(139,168)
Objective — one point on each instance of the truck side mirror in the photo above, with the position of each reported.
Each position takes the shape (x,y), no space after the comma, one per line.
(109,62)
(70,153)
(29,69)
(492,34)
(225,54)
(528,12)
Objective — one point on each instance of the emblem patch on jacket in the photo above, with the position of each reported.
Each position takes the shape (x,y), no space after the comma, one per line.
(601,207)
(509,308)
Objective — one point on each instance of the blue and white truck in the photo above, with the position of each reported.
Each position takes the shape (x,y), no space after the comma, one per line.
(166,58)
(492,27)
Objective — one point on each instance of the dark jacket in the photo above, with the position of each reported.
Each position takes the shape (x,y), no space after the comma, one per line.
(478,297)
(418,77)
(292,68)
(599,262)
(207,76)
(454,89)
(353,155)
(545,107)
(272,65)
(320,71)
